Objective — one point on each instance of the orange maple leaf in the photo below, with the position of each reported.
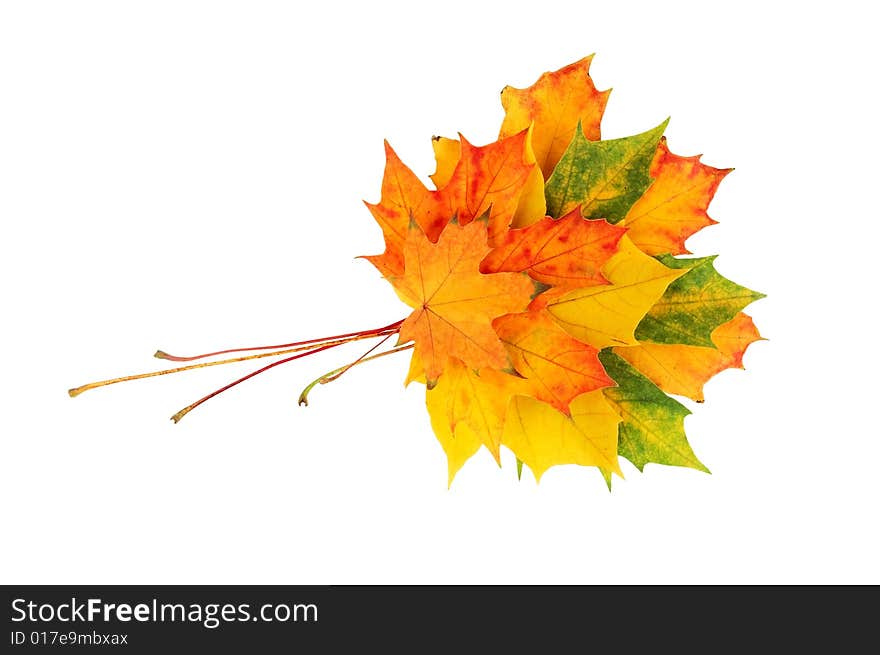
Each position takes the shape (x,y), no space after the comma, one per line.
(565,253)
(682,369)
(555,104)
(403,196)
(674,206)
(485,180)
(557,366)
(453,302)
(531,206)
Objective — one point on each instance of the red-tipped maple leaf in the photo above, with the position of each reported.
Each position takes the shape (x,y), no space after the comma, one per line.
(674,206)
(565,253)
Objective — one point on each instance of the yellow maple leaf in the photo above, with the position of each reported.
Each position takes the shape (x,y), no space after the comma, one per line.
(607,315)
(466,407)
(542,437)
(447,152)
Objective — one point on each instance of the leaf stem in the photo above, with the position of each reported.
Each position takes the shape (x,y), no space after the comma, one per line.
(103,383)
(186,410)
(161,354)
(336,373)
(301,348)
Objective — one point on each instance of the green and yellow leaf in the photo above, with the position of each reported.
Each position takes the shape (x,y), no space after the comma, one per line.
(694,304)
(652,423)
(607,315)
(605,178)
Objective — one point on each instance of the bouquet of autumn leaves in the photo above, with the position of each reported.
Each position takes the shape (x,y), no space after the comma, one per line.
(550,312)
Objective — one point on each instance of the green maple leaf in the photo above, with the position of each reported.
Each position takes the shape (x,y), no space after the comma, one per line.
(604,177)
(694,304)
(652,427)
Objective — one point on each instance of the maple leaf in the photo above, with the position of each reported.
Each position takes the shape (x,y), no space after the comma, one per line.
(453,302)
(555,105)
(403,196)
(674,206)
(564,253)
(652,423)
(694,304)
(604,177)
(485,180)
(683,370)
(607,315)
(416,370)
(467,410)
(531,205)
(541,436)
(556,366)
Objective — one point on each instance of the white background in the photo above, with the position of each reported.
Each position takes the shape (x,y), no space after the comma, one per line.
(189,176)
